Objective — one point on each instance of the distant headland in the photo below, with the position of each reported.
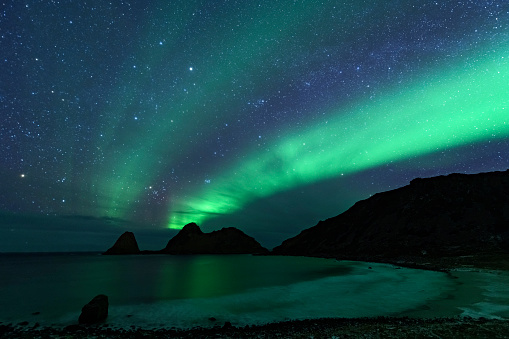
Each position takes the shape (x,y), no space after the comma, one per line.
(440,221)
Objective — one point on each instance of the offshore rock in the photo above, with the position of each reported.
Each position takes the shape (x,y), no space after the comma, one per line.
(230,240)
(125,244)
(451,215)
(95,311)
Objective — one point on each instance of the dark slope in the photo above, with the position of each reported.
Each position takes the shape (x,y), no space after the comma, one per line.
(449,215)
(191,240)
(125,244)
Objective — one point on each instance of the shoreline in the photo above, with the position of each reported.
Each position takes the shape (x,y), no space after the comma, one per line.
(387,327)
(395,326)
(474,262)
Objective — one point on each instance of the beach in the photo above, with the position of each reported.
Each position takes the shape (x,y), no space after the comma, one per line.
(478,308)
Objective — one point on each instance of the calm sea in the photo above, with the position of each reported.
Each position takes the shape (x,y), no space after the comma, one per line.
(185,291)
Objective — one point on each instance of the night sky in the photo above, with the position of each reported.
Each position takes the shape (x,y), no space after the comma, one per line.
(264,115)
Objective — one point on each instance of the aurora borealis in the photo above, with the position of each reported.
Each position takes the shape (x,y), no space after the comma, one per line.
(264,115)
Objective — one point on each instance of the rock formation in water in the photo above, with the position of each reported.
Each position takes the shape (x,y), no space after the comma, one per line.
(95,311)
(454,215)
(125,244)
(191,240)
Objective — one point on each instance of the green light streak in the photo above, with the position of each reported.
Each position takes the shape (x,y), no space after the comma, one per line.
(458,107)
(135,164)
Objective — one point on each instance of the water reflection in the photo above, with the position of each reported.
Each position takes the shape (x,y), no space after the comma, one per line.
(200,276)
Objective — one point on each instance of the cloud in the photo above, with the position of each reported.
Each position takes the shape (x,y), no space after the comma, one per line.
(72,233)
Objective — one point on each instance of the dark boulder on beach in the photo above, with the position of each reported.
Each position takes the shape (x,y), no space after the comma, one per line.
(95,311)
(230,240)
(453,215)
(125,244)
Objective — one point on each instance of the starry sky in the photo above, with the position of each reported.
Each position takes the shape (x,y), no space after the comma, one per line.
(263,115)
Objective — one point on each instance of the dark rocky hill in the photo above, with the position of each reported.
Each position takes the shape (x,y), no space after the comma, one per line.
(125,244)
(453,215)
(191,240)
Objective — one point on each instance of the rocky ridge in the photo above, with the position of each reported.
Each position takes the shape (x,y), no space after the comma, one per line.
(453,215)
(230,240)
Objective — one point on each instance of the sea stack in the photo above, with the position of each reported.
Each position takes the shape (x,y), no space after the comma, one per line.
(230,240)
(125,244)
(95,311)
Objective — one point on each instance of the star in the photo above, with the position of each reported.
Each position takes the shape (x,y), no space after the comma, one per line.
(287,101)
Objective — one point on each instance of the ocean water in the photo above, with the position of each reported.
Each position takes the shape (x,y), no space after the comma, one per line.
(185,291)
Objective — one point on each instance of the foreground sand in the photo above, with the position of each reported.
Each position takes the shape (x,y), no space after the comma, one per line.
(381,327)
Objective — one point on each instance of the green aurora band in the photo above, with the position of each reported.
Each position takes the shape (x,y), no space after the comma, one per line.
(135,164)
(460,105)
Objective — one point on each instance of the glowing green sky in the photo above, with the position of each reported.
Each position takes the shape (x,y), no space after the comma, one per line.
(156,114)
(460,106)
